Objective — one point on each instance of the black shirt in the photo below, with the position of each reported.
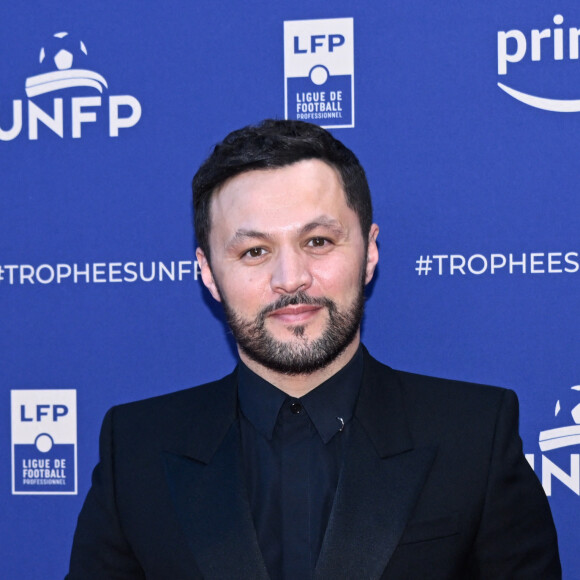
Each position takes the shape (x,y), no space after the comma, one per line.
(292,453)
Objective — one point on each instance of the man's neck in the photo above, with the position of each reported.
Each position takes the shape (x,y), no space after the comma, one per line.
(298,385)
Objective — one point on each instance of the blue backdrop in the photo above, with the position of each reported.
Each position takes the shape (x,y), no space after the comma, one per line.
(101,129)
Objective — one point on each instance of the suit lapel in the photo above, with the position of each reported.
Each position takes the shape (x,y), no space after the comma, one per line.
(374,500)
(208,490)
(379,485)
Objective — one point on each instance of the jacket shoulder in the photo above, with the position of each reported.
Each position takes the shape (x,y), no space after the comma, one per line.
(183,421)
(444,387)
(436,406)
(418,387)
(185,400)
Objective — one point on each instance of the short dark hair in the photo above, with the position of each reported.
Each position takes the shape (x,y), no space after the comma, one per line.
(273,144)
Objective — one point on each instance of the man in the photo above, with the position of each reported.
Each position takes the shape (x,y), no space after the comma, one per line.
(311,460)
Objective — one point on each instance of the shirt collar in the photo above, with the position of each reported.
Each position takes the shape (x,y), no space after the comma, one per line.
(330,406)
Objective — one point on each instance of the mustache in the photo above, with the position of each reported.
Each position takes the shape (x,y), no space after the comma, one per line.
(294,300)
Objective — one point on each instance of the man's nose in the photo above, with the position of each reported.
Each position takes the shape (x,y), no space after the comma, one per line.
(290,272)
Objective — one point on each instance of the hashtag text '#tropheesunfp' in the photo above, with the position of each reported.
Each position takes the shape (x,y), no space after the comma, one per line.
(512,263)
(99,272)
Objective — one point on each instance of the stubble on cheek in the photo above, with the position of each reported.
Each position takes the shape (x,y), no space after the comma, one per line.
(300,355)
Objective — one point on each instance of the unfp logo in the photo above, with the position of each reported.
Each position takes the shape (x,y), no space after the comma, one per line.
(63,61)
(557,462)
(44,442)
(516,47)
(319,71)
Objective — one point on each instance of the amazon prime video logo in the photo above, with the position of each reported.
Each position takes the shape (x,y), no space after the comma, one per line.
(516,47)
(319,71)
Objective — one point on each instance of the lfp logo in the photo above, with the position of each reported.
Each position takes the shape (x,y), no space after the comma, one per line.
(515,47)
(557,461)
(62,60)
(319,71)
(44,442)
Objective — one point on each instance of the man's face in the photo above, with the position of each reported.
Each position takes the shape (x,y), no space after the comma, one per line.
(288,262)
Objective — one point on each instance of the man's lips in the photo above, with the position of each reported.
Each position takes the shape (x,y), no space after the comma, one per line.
(299,313)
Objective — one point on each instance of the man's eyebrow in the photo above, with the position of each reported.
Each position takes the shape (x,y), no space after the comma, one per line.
(243,235)
(325,222)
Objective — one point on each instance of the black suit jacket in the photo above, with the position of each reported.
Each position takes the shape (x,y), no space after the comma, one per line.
(434,486)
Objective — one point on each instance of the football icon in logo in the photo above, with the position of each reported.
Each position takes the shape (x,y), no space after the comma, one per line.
(567,410)
(61,51)
(58,56)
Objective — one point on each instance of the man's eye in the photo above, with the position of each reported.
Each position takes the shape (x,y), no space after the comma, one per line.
(255,252)
(318,242)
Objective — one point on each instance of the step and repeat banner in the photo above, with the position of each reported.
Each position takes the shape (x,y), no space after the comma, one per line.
(467,119)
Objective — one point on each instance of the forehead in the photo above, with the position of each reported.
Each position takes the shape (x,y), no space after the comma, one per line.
(278,197)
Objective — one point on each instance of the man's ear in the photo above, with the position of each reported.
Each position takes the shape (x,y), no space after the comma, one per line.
(206,274)
(372,253)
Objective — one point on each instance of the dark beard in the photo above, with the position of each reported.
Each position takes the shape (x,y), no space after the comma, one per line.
(303,357)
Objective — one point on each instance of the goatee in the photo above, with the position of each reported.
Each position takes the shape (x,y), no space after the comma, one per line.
(302,355)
